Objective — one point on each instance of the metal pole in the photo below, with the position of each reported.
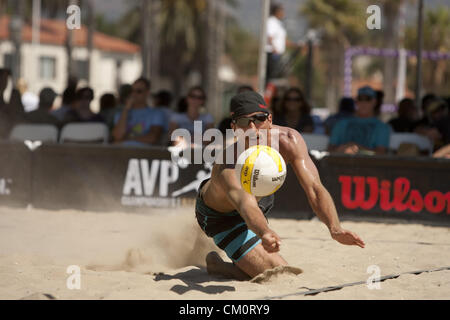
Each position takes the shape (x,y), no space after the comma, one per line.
(90,38)
(262,61)
(309,69)
(419,56)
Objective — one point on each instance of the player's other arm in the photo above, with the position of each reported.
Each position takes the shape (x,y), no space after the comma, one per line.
(318,196)
(248,208)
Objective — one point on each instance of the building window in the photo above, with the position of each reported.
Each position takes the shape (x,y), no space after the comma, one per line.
(47,68)
(81,68)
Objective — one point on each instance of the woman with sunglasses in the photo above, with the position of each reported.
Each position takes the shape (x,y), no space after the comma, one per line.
(190,111)
(295,112)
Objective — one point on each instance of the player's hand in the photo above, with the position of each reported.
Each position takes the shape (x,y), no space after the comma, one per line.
(271,242)
(347,237)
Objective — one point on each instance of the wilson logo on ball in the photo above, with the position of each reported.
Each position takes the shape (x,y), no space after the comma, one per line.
(261,170)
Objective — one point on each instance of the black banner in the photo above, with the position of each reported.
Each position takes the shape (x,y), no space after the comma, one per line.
(371,186)
(112,178)
(106,178)
(15,174)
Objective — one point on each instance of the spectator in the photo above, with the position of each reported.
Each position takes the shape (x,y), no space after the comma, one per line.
(4,117)
(15,108)
(363,133)
(407,116)
(436,123)
(81,112)
(379,96)
(108,105)
(68,101)
(346,110)
(226,122)
(295,112)
(42,115)
(138,124)
(195,101)
(162,101)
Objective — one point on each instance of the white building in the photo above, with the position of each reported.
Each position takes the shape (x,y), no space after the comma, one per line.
(114,61)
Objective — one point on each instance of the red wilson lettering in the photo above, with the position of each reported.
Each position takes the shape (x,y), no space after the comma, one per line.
(396,196)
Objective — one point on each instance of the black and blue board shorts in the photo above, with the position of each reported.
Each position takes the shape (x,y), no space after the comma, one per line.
(229,230)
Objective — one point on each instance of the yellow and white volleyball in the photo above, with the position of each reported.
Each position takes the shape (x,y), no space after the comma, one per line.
(261,170)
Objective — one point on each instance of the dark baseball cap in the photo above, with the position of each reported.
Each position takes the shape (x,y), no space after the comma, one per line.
(367,91)
(246,103)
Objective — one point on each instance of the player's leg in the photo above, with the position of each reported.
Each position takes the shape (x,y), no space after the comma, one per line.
(250,265)
(259,260)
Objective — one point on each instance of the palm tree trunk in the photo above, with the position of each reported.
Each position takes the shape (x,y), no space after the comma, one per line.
(211,57)
(15,28)
(155,9)
(145,38)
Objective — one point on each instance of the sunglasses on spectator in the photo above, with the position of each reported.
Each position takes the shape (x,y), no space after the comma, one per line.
(138,91)
(256,119)
(365,98)
(296,99)
(198,97)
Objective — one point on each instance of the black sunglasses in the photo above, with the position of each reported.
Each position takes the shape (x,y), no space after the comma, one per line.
(256,119)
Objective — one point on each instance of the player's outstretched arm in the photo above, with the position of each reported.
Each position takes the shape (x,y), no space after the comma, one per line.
(319,198)
(248,208)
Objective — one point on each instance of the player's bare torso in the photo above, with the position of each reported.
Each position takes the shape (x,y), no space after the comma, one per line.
(213,192)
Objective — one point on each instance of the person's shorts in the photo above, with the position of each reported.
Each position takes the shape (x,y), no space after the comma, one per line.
(229,230)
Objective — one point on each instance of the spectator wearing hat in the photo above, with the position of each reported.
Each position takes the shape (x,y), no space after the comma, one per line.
(42,114)
(363,133)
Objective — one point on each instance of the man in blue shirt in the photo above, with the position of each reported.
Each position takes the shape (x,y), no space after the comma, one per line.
(363,133)
(138,124)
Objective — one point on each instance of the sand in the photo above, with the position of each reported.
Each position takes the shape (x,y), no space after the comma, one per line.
(161,255)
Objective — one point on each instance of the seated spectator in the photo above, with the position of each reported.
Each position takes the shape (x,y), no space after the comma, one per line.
(379,97)
(138,124)
(108,104)
(81,110)
(162,101)
(295,112)
(346,110)
(226,122)
(42,115)
(407,116)
(68,99)
(190,112)
(4,118)
(436,123)
(124,95)
(363,133)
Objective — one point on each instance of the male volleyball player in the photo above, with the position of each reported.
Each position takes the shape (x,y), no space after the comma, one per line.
(236,219)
